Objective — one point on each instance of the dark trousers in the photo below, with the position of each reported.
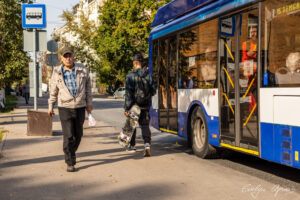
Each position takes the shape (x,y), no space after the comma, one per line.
(26,96)
(144,125)
(72,126)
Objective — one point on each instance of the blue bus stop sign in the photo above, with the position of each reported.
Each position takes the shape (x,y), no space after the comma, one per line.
(34,16)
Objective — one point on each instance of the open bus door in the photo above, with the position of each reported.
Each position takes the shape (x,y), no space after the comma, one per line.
(168,85)
(238,96)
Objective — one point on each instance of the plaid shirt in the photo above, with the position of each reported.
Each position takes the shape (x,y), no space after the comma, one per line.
(70,80)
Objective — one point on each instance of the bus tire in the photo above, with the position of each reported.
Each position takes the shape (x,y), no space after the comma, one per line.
(199,134)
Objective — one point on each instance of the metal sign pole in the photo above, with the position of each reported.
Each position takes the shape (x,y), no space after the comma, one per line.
(52,63)
(34,70)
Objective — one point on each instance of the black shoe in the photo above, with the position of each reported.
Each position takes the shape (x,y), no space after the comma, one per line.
(70,168)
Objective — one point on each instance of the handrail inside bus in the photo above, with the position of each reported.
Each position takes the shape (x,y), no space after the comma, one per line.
(229,51)
(232,84)
(249,86)
(246,122)
(228,102)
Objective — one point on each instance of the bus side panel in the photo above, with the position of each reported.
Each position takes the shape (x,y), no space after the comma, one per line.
(213,130)
(267,141)
(287,145)
(183,124)
(212,123)
(280,143)
(296,146)
(283,144)
(280,131)
(208,100)
(154,111)
(154,118)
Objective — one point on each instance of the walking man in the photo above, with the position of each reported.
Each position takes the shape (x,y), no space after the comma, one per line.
(138,90)
(70,85)
(26,91)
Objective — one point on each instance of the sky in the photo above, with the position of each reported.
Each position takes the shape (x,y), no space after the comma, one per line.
(54,8)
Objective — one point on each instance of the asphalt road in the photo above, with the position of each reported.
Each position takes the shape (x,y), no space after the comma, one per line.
(111,111)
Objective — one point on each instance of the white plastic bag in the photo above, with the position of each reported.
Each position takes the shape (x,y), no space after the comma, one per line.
(92,121)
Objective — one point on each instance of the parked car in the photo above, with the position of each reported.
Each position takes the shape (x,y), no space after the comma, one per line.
(119,93)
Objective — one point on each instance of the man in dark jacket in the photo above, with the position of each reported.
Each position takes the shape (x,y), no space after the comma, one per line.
(130,99)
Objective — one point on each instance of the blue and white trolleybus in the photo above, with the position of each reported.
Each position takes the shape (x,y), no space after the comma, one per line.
(228,75)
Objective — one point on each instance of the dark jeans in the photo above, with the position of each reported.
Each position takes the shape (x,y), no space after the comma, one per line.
(72,126)
(26,96)
(144,124)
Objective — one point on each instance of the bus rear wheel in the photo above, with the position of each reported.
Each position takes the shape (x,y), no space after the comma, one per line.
(199,133)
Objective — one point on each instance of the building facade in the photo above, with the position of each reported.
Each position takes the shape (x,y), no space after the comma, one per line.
(84,10)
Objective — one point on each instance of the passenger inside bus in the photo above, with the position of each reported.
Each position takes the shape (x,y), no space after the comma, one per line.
(249,50)
(250,46)
(281,44)
(249,65)
(290,74)
(189,82)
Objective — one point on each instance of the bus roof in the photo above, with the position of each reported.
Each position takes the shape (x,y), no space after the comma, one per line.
(175,9)
(208,9)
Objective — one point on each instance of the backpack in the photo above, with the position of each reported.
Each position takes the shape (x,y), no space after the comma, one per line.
(142,93)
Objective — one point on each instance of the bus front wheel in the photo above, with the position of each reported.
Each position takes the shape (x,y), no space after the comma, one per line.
(199,133)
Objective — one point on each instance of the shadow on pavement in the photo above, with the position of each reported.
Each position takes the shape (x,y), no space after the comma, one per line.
(16,189)
(79,155)
(255,166)
(55,158)
(13,122)
(12,116)
(13,143)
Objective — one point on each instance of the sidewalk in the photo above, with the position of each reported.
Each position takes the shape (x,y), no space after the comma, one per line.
(34,168)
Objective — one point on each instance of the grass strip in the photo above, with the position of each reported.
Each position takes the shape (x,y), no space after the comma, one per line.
(1,133)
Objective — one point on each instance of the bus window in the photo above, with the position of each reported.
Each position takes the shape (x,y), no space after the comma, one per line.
(198,56)
(281,43)
(155,62)
(248,77)
(162,74)
(207,62)
(187,52)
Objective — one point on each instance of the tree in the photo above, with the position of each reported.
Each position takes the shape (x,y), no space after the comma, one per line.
(108,48)
(13,60)
(83,31)
(124,29)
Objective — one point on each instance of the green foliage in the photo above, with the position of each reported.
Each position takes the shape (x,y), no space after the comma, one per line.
(83,32)
(11,102)
(124,31)
(108,48)
(13,61)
